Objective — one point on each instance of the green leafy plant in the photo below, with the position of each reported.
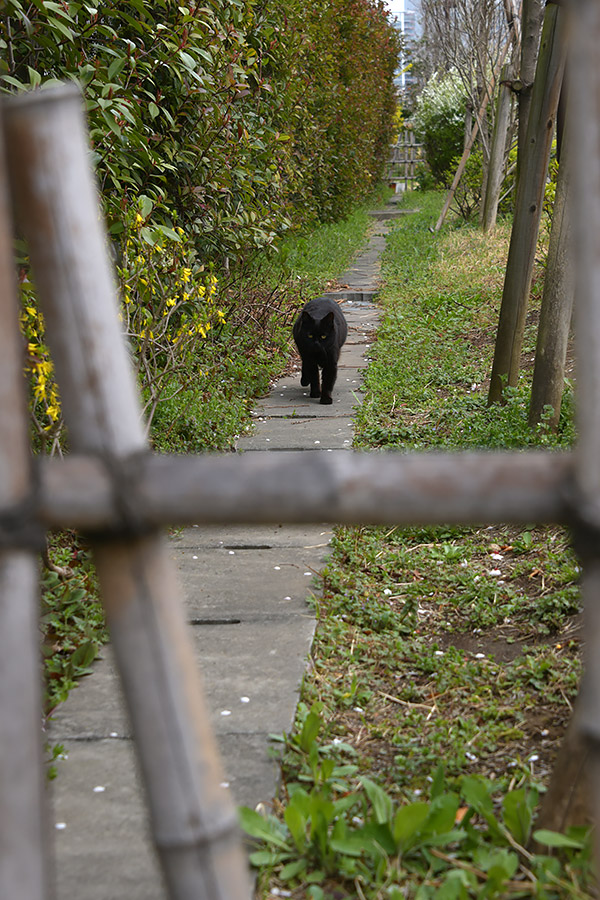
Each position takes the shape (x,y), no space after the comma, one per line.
(345,827)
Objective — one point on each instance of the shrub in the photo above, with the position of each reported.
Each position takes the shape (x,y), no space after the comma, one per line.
(439,123)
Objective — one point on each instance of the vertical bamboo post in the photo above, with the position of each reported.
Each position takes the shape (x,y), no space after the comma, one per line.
(24,869)
(193,819)
(585,148)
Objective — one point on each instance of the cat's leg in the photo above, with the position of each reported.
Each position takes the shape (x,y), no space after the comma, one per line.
(310,375)
(315,382)
(329,376)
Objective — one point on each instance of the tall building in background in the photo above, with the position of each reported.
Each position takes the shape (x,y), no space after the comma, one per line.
(407,21)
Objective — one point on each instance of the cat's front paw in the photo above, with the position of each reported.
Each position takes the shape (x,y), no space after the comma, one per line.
(305,382)
(315,393)
(325,400)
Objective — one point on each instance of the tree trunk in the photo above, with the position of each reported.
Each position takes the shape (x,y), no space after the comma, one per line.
(497,153)
(557,306)
(530,197)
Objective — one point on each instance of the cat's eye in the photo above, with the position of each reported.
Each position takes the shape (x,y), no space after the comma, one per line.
(323,336)
(310,335)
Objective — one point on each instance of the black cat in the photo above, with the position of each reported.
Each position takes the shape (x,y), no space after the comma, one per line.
(319,332)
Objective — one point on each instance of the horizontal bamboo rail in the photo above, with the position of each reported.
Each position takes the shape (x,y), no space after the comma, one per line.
(294,486)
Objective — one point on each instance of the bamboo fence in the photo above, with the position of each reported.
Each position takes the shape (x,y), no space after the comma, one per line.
(121,495)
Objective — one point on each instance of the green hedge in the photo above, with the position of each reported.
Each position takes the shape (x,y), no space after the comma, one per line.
(236,118)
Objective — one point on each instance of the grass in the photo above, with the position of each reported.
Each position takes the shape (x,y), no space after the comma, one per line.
(446,660)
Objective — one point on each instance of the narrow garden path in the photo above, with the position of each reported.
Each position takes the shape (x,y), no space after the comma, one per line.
(246,591)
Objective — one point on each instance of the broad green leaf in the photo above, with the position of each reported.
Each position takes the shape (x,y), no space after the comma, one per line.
(296,822)
(145,205)
(408,821)
(292,869)
(267,857)
(554,839)
(116,67)
(381,803)
(268,830)
(310,730)
(517,809)
(442,814)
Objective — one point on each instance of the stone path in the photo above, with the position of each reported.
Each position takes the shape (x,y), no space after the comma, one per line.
(246,591)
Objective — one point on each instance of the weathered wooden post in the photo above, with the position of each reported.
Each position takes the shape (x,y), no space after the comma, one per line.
(557,306)
(24,868)
(586,224)
(528,203)
(194,822)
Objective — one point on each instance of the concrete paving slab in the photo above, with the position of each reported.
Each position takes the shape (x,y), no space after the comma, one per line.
(330,433)
(258,582)
(103,850)
(261,537)
(296,402)
(242,671)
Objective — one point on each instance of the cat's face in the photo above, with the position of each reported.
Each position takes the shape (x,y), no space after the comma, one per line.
(318,331)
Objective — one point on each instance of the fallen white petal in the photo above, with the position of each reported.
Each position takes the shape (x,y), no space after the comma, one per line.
(60,826)
(225,712)
(99,789)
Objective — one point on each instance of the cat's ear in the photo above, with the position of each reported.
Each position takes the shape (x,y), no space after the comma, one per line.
(307,319)
(327,321)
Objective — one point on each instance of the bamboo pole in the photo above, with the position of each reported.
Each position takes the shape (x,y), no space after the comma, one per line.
(294,486)
(585,150)
(193,819)
(24,860)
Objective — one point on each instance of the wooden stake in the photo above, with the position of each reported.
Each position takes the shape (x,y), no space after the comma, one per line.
(557,306)
(193,820)
(585,150)
(528,204)
(24,868)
